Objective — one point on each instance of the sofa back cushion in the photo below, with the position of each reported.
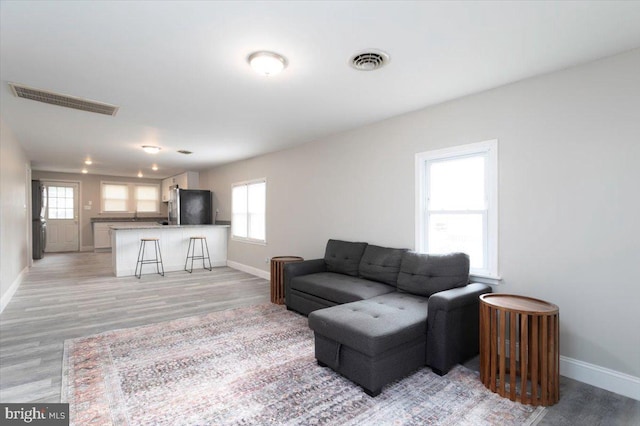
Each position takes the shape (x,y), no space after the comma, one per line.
(343,257)
(426,274)
(381,264)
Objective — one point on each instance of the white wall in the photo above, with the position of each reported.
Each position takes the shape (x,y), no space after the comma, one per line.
(569,148)
(14,215)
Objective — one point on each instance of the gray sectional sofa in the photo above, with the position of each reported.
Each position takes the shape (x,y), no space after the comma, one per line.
(380,313)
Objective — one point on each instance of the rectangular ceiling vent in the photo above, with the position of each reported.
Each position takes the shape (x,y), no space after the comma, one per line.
(62,100)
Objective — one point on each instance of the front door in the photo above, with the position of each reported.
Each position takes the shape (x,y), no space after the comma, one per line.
(62,217)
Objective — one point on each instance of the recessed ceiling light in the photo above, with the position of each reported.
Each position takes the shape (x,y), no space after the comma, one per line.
(154,167)
(267,63)
(151,149)
(85,171)
(88,162)
(140,174)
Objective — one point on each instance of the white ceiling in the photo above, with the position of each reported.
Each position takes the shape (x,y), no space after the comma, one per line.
(178,70)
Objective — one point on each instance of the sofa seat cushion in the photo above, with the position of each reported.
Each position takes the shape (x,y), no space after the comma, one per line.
(375,325)
(381,264)
(343,257)
(426,274)
(338,288)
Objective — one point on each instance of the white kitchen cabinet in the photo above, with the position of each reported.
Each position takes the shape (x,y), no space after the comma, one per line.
(101,235)
(186,180)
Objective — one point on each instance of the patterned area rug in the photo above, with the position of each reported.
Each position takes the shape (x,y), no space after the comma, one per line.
(254,366)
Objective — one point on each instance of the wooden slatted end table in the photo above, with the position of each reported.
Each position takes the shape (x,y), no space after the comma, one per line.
(519,348)
(277,277)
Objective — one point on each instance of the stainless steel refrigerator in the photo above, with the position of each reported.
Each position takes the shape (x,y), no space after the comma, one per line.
(190,207)
(38,221)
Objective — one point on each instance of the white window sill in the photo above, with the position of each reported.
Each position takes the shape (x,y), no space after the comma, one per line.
(245,240)
(485,279)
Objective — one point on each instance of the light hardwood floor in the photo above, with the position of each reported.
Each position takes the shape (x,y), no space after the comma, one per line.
(75,294)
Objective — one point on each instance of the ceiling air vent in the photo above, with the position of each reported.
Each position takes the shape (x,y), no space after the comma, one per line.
(62,100)
(369,60)
(184,151)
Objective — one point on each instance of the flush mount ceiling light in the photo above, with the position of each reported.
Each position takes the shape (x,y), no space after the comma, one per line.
(154,167)
(140,174)
(150,149)
(369,60)
(88,162)
(85,171)
(267,63)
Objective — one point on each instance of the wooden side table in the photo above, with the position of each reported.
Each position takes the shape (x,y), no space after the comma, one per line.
(277,276)
(530,326)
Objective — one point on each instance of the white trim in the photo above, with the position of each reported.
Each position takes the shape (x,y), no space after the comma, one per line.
(605,378)
(249,269)
(484,279)
(594,375)
(86,248)
(6,297)
(247,239)
(490,148)
(78,188)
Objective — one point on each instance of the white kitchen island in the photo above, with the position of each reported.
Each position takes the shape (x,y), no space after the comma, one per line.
(174,242)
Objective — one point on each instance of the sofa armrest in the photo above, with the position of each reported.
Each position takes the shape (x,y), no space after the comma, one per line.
(456,298)
(453,326)
(296,269)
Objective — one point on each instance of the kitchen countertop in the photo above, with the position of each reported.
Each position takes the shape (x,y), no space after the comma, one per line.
(129,219)
(125,227)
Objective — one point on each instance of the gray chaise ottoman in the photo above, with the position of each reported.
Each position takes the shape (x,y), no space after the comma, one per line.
(372,342)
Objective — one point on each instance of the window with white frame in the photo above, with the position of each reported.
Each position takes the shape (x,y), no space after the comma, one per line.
(248,208)
(457,204)
(123,197)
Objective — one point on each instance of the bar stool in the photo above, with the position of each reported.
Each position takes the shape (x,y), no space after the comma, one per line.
(191,253)
(142,261)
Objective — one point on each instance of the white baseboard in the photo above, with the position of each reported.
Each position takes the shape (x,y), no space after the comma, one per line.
(594,375)
(605,378)
(6,297)
(249,269)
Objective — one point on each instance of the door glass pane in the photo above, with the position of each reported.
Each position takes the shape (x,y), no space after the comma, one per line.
(457,184)
(60,202)
(457,233)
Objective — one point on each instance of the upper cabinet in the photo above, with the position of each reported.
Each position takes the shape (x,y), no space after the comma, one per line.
(186,180)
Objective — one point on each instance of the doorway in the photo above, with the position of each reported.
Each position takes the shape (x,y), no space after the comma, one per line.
(62,217)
